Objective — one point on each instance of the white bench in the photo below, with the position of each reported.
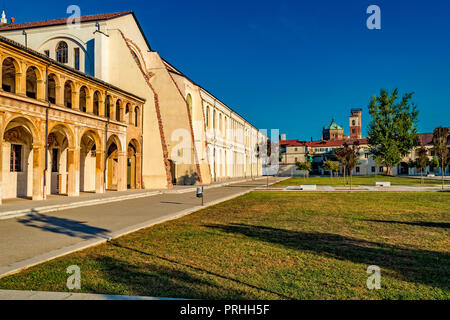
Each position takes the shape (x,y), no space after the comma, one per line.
(311,187)
(290,188)
(382,184)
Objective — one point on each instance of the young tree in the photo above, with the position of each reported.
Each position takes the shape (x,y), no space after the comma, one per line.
(305,167)
(434,163)
(331,166)
(422,160)
(393,129)
(440,142)
(349,157)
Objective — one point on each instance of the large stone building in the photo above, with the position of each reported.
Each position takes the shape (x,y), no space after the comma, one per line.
(92,107)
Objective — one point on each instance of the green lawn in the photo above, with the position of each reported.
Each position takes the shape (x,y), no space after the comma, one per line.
(274,246)
(357,180)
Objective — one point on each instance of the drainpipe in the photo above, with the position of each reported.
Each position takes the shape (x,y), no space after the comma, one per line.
(46,131)
(106,139)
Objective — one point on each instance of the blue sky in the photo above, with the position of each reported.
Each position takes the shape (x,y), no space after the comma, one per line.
(293,65)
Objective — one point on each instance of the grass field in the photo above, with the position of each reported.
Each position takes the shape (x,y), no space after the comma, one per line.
(274,246)
(357,180)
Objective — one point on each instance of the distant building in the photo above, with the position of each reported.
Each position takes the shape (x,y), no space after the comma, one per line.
(318,152)
(356,124)
(333,132)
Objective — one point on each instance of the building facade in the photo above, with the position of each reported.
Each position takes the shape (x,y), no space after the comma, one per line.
(96,96)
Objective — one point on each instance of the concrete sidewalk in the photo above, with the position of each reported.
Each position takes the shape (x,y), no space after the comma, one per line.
(39,237)
(13,295)
(21,207)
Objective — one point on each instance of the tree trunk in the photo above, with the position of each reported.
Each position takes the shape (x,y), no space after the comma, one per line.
(389,171)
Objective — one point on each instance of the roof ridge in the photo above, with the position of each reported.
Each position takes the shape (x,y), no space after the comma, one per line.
(59,21)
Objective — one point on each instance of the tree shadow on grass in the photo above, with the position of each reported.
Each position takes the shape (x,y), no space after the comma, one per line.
(442,225)
(71,228)
(195,269)
(154,279)
(416,266)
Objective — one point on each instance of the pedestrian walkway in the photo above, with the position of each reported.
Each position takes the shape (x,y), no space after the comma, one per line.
(21,207)
(12,295)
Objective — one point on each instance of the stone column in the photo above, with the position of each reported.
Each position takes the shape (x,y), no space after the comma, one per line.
(122,172)
(74,173)
(40,90)
(100,172)
(138,170)
(131,118)
(76,99)
(38,172)
(21,83)
(90,103)
(59,92)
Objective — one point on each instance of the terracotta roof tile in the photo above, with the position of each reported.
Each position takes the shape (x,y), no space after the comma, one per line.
(56,22)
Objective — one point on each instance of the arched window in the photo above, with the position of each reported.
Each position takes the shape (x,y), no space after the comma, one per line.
(189,102)
(118,103)
(9,73)
(83,98)
(68,94)
(108,107)
(96,103)
(62,52)
(31,90)
(136,117)
(52,88)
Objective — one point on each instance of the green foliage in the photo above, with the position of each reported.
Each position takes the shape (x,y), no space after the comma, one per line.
(393,129)
(332,166)
(304,166)
(434,163)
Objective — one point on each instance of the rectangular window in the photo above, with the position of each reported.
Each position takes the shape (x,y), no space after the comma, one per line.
(373,169)
(358,170)
(381,169)
(55,161)
(367,156)
(16,158)
(77,58)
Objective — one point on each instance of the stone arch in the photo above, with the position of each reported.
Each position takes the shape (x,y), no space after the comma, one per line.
(97,103)
(115,164)
(134,158)
(108,104)
(23,168)
(118,110)
(10,71)
(63,166)
(53,85)
(91,162)
(69,90)
(128,113)
(33,78)
(137,116)
(84,97)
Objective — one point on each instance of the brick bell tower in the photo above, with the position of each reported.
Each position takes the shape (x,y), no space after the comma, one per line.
(356,124)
